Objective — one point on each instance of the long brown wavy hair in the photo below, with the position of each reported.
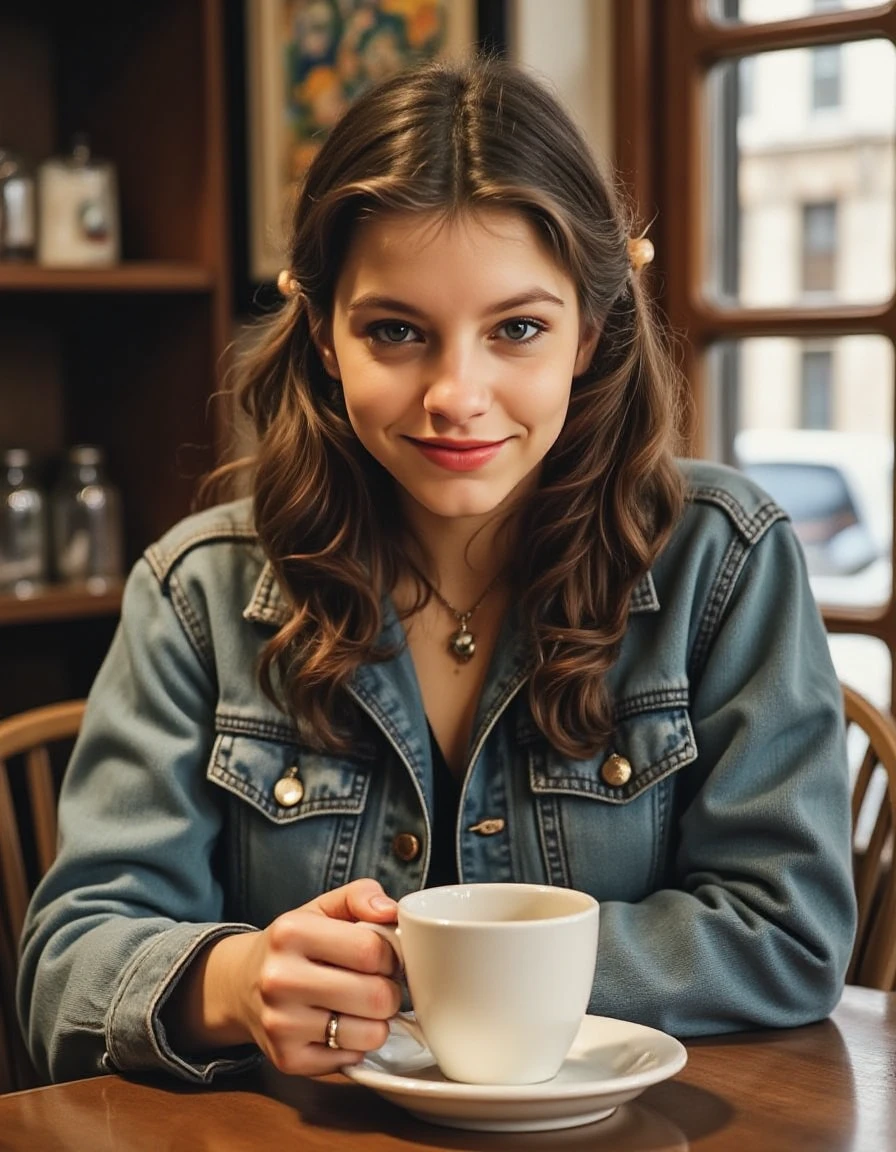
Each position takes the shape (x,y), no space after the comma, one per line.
(454,138)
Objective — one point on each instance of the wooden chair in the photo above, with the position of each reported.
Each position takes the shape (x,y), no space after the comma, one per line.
(27,848)
(873,962)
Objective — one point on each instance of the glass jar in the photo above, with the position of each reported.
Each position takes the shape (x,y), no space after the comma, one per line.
(87,527)
(18,210)
(23,526)
(78,210)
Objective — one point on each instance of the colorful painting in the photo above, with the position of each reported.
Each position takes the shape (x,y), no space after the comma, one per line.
(308,60)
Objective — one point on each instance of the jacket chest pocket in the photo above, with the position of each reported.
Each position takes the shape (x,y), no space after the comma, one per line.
(604,824)
(293,820)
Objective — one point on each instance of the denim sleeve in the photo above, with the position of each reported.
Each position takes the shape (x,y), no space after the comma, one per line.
(132,896)
(756,922)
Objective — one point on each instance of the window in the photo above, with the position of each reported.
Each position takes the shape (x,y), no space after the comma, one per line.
(775,232)
(817,388)
(825,77)
(819,247)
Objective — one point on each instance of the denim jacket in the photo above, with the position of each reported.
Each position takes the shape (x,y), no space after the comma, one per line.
(714,829)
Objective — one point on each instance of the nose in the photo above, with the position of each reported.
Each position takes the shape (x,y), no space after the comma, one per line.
(457,389)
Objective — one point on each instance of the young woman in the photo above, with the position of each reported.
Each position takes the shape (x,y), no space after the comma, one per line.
(475,622)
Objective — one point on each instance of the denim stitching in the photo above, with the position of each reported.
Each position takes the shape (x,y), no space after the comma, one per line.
(349,805)
(552,841)
(576,786)
(191,625)
(750,526)
(162,561)
(651,702)
(343,852)
(732,562)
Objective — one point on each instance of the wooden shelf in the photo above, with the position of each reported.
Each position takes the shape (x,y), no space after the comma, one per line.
(60,603)
(125,357)
(133,276)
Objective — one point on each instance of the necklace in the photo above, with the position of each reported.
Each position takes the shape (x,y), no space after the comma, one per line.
(462,643)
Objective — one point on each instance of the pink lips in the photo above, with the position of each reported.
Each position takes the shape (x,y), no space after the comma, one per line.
(458,455)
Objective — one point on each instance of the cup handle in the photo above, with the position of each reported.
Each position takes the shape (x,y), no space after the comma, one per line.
(406,1021)
(391,933)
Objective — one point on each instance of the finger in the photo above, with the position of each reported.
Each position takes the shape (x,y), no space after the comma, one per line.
(327,987)
(355,1033)
(372,997)
(297,1042)
(360,900)
(325,941)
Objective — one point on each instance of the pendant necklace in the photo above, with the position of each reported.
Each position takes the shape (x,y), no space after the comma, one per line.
(462,643)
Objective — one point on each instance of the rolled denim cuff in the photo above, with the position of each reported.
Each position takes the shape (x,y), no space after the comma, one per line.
(136,1039)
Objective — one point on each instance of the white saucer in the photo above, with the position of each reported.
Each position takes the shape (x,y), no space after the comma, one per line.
(610,1061)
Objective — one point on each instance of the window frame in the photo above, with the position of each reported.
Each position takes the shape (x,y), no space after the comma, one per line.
(664,52)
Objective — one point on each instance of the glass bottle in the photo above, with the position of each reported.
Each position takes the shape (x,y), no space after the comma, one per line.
(18,210)
(87,527)
(23,525)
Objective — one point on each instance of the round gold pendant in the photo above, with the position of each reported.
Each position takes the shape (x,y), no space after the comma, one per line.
(462,645)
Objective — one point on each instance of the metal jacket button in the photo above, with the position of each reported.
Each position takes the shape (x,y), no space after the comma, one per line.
(289,789)
(616,770)
(406,846)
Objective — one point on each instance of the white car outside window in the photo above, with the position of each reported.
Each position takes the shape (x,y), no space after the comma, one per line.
(838,489)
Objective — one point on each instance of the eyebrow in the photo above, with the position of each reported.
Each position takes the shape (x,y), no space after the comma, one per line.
(387,303)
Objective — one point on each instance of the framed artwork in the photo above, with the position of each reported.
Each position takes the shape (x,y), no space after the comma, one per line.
(306,61)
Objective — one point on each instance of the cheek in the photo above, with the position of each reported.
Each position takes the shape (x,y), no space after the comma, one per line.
(543,400)
(370,410)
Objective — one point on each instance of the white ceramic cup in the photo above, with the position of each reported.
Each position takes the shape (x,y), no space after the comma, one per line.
(499,976)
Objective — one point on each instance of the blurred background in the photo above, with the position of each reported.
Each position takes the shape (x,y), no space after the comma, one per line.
(147,158)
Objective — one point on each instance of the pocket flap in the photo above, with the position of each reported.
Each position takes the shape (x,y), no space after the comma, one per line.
(650,742)
(324,784)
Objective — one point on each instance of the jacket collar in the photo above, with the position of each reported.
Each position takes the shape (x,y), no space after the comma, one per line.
(268,603)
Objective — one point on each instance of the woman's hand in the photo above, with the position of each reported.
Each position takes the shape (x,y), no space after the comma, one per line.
(278,987)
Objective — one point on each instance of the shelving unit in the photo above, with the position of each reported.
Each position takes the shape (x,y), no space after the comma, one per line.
(126,357)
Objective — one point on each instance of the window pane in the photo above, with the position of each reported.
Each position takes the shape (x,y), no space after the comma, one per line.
(810,422)
(864,663)
(801,176)
(766,11)
(817,388)
(826,72)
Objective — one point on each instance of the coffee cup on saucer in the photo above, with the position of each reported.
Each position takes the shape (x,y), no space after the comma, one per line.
(499,976)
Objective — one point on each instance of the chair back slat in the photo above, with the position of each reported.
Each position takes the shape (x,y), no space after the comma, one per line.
(42,797)
(873,961)
(27,849)
(13,879)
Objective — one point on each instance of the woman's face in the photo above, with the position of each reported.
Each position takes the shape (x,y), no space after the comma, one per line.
(456,344)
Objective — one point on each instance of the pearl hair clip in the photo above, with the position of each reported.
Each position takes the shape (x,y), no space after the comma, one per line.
(640,252)
(287,283)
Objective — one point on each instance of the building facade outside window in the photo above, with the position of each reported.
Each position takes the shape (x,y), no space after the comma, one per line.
(819,254)
(776,255)
(817,388)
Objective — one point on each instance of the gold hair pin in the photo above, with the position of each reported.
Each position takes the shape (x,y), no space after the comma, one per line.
(640,252)
(287,283)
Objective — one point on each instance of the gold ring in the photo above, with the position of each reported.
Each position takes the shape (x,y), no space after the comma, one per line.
(332,1033)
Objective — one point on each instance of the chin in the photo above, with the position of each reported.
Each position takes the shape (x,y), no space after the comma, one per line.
(459,507)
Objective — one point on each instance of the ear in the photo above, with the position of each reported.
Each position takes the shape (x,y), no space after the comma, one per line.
(322,335)
(588,342)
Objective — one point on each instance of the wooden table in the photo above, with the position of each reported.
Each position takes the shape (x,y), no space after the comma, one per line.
(825,1088)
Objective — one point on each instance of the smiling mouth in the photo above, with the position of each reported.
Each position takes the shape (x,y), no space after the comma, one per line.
(458,455)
